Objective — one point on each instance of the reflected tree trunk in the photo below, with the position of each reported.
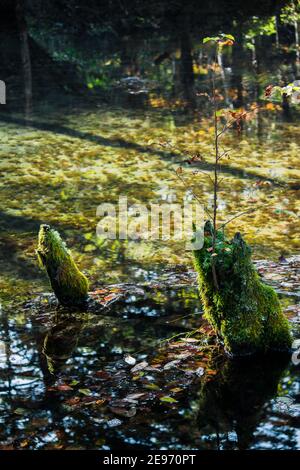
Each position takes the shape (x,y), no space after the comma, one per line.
(129,62)
(25,56)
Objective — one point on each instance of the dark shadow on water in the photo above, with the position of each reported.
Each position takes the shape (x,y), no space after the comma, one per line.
(234,401)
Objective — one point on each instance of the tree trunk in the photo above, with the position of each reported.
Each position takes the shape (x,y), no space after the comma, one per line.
(25,56)
(237,68)
(187,72)
(245,313)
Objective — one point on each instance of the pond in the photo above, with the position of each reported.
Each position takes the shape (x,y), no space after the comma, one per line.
(64,377)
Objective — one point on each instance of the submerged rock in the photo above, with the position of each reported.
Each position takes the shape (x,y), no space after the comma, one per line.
(68,283)
(244,312)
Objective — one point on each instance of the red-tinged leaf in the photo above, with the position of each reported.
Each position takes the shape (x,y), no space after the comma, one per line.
(167,399)
(211,372)
(112,423)
(73,401)
(102,374)
(60,388)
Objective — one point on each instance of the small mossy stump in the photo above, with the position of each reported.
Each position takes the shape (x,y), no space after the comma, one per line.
(244,312)
(68,283)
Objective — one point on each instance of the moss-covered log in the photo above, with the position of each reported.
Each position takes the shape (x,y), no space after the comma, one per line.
(245,313)
(69,284)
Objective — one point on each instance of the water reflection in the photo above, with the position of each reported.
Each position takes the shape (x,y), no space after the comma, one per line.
(61,340)
(232,406)
(248,405)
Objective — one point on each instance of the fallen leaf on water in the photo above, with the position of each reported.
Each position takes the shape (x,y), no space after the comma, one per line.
(152,387)
(168,400)
(24,444)
(191,340)
(102,374)
(139,366)
(60,388)
(130,360)
(176,390)
(20,411)
(171,364)
(72,401)
(85,391)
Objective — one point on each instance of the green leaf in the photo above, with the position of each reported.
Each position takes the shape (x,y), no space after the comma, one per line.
(229,36)
(85,391)
(168,399)
(74,382)
(207,39)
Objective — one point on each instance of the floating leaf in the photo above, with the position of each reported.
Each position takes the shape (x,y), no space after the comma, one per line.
(152,386)
(102,374)
(60,388)
(130,360)
(171,364)
(20,411)
(85,391)
(167,399)
(134,396)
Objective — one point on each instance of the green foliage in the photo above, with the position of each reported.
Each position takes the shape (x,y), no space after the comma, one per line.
(244,312)
(69,284)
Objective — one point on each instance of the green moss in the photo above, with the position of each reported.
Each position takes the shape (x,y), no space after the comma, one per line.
(245,313)
(69,284)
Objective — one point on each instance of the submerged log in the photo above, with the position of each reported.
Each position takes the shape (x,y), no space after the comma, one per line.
(68,283)
(244,312)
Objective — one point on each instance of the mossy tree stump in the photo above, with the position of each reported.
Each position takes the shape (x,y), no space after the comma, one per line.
(244,312)
(68,283)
